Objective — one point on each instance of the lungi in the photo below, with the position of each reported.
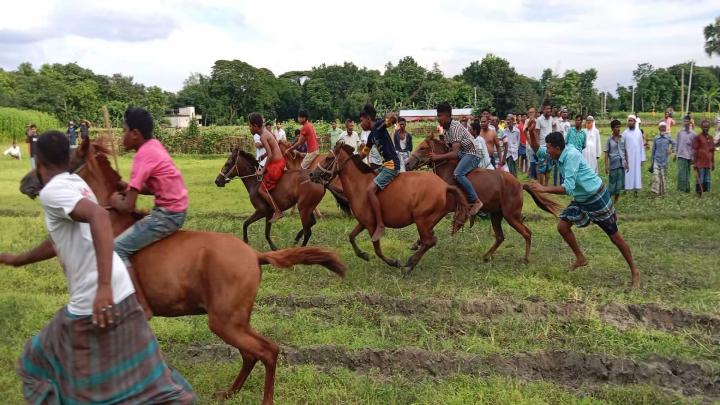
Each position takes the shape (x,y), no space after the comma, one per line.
(598,209)
(273,172)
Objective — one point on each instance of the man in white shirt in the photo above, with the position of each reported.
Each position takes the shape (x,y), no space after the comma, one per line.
(13,151)
(374,158)
(260,152)
(102,331)
(543,126)
(350,137)
(278,132)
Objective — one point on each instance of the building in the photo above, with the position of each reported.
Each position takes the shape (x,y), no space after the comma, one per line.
(431,115)
(180,117)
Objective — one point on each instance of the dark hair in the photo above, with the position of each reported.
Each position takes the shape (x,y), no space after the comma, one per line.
(268,123)
(140,119)
(578,116)
(32,126)
(444,107)
(303,114)
(256,119)
(368,111)
(615,123)
(53,148)
(485,110)
(555,139)
(546,106)
(402,119)
(348,121)
(475,126)
(687,117)
(297,132)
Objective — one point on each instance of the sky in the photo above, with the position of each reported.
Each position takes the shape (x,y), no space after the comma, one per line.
(162,42)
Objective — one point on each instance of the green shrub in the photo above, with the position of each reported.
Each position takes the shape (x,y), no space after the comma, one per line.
(13,123)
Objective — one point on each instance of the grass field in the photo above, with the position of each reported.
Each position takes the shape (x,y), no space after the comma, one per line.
(457,330)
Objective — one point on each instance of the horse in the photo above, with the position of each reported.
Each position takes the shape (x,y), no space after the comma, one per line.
(193,273)
(294,187)
(334,187)
(500,192)
(419,198)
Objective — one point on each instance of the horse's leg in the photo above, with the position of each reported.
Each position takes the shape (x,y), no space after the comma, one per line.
(268,225)
(381,255)
(516,222)
(427,241)
(298,236)
(353,234)
(252,219)
(496,219)
(415,246)
(307,217)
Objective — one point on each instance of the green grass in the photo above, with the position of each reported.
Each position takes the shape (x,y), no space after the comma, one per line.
(674,241)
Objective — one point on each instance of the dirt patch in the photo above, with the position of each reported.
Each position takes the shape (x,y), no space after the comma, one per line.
(567,368)
(651,316)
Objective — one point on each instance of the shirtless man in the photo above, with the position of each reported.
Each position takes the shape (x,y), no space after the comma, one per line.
(491,140)
(274,161)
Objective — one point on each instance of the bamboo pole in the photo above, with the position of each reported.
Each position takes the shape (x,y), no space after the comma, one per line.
(108,133)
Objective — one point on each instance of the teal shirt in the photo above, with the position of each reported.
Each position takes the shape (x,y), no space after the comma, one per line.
(335,135)
(581,182)
(576,138)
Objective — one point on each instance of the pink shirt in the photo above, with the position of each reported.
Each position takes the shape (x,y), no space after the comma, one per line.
(153,167)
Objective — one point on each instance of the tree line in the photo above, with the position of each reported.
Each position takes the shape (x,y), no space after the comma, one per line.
(233,88)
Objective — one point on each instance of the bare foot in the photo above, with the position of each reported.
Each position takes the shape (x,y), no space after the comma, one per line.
(581,262)
(276,217)
(379,231)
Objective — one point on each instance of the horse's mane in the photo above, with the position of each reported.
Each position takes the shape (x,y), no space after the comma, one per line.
(364,168)
(96,157)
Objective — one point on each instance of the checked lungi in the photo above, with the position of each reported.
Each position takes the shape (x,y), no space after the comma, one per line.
(683,181)
(72,361)
(598,209)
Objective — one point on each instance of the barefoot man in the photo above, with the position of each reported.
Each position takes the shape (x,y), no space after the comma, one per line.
(591,201)
(273,163)
(491,140)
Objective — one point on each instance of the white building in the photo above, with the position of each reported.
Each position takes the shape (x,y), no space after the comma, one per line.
(180,117)
(431,115)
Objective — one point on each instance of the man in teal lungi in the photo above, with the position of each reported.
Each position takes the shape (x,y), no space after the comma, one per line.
(99,348)
(591,201)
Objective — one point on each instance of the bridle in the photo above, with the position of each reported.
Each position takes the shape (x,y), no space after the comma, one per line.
(234,167)
(335,167)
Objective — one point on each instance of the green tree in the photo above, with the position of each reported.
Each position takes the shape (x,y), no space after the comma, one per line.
(712,38)
(495,76)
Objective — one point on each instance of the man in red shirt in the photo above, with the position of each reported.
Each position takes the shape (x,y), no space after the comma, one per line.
(307,135)
(704,161)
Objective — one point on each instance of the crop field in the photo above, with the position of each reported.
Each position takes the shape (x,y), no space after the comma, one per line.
(456,331)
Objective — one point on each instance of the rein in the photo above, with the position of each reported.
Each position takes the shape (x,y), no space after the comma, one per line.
(234,167)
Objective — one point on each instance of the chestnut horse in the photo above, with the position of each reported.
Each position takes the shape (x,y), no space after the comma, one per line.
(422,199)
(500,192)
(192,273)
(294,187)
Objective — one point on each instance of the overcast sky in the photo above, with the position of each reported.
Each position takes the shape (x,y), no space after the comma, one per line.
(162,42)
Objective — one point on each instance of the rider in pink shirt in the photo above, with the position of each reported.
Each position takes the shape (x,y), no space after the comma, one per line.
(154,173)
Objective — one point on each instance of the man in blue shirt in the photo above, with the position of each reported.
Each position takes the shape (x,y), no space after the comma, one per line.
(591,201)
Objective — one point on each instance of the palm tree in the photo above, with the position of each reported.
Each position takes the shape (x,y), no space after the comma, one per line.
(709,95)
(712,37)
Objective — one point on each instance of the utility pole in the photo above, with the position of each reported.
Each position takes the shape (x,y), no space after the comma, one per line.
(604,104)
(687,105)
(682,93)
(632,103)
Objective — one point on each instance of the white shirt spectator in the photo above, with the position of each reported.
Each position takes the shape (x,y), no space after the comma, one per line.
(374,157)
(259,151)
(279,135)
(545,125)
(13,152)
(351,140)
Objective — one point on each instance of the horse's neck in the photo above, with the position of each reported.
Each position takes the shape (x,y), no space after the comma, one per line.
(354,182)
(445,170)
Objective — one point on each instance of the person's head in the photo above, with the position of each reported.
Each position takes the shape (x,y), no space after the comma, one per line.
(32,129)
(615,127)
(510,120)
(71,124)
(444,114)
(589,122)
(390,119)
(255,122)
(667,114)
(464,121)
(52,153)
(547,110)
(367,117)
(494,121)
(333,124)
(662,127)
(297,132)
(278,124)
(475,128)
(531,112)
(137,127)
(578,121)
(485,113)
(402,122)
(14,144)
(631,121)
(268,126)
(484,123)
(564,113)
(686,122)
(349,125)
(302,116)
(555,144)
(705,125)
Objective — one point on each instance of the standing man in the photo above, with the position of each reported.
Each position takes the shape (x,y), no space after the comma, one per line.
(307,136)
(591,153)
(31,140)
(576,136)
(636,155)
(615,161)
(531,135)
(403,143)
(662,146)
(85,131)
(350,137)
(544,125)
(335,133)
(669,121)
(491,140)
(511,138)
(591,202)
(684,155)
(98,348)
(461,146)
(72,135)
(278,133)
(704,158)
(563,123)
(480,145)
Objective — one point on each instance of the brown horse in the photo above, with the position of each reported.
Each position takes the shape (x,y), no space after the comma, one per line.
(500,192)
(191,273)
(294,187)
(419,198)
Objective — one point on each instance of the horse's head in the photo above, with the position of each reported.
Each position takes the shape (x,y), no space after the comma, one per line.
(421,155)
(31,184)
(239,163)
(332,164)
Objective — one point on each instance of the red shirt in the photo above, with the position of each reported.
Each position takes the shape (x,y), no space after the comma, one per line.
(308,131)
(704,151)
(523,139)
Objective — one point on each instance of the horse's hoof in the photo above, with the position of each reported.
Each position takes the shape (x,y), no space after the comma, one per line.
(394,263)
(414,247)
(407,269)
(364,256)
(222,395)
(487,258)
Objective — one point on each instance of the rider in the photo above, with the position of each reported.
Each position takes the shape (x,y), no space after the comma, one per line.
(273,163)
(379,137)
(307,137)
(153,173)
(461,145)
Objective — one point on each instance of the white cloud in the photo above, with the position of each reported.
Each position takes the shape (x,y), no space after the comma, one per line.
(162,42)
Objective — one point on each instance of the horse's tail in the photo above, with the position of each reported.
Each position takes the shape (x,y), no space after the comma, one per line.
(304,255)
(543,200)
(341,200)
(462,208)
